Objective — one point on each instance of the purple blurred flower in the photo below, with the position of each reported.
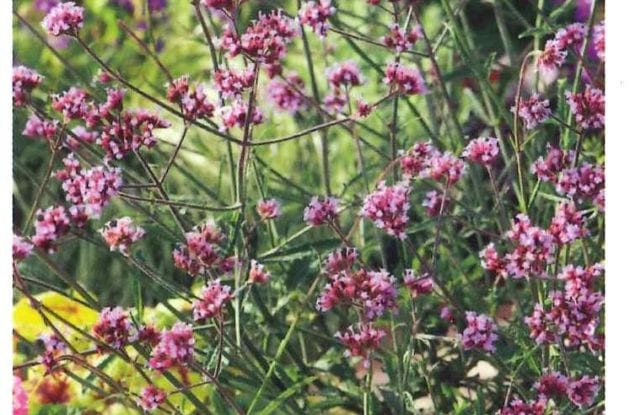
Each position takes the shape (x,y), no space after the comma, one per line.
(156,6)
(45,5)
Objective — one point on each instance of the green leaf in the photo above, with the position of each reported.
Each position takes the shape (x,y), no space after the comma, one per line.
(273,405)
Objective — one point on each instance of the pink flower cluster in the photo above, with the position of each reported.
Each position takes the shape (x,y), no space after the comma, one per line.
(571,36)
(568,224)
(534,249)
(38,128)
(492,261)
(581,392)
(131,131)
(193,101)
(264,39)
(151,398)
(482,150)
(24,80)
(202,253)
(287,95)
(114,328)
(373,292)
(599,40)
(552,57)
(50,225)
(519,407)
(361,342)
(404,79)
(556,160)
(65,18)
(400,40)
(257,273)
(319,212)
(417,285)
(533,111)
(315,14)
(341,260)
(480,332)
(435,203)
(176,348)
(425,161)
(387,207)
(21,248)
(585,182)
(231,83)
(226,5)
(236,115)
(345,74)
(88,190)
(588,107)
(213,297)
(268,209)
(574,312)
(73,104)
(20,397)
(120,233)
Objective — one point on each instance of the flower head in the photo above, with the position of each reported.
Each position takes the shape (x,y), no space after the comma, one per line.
(151,398)
(482,150)
(114,327)
(268,209)
(588,107)
(388,208)
(24,80)
(315,14)
(403,79)
(65,18)
(322,211)
(120,233)
(362,341)
(480,332)
(21,248)
(176,348)
(533,111)
(257,273)
(213,297)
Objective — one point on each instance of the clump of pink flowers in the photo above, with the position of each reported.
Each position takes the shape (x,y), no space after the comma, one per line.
(268,209)
(552,56)
(400,40)
(151,398)
(66,18)
(533,111)
(568,224)
(387,207)
(361,342)
(231,83)
(21,248)
(417,285)
(40,128)
(213,297)
(404,79)
(257,273)
(588,107)
(482,150)
(202,251)
(480,332)
(73,103)
(345,74)
(435,203)
(315,14)
(287,95)
(51,224)
(24,80)
(176,348)
(114,327)
(319,212)
(120,233)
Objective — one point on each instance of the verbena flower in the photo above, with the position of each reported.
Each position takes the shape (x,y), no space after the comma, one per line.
(533,111)
(480,332)
(340,260)
(50,224)
(315,14)
(417,285)
(73,103)
(552,385)
(361,341)
(151,398)
(568,224)
(400,40)
(581,183)
(571,36)
(202,251)
(231,83)
(588,107)
(268,209)
(552,57)
(120,233)
(257,273)
(114,328)
(213,297)
(387,207)
(319,212)
(519,407)
(404,80)
(175,349)
(345,74)
(64,19)
(482,150)
(21,248)
(556,160)
(54,347)
(582,392)
(236,114)
(599,40)
(24,80)
(39,128)
(492,261)
(435,203)
(287,95)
